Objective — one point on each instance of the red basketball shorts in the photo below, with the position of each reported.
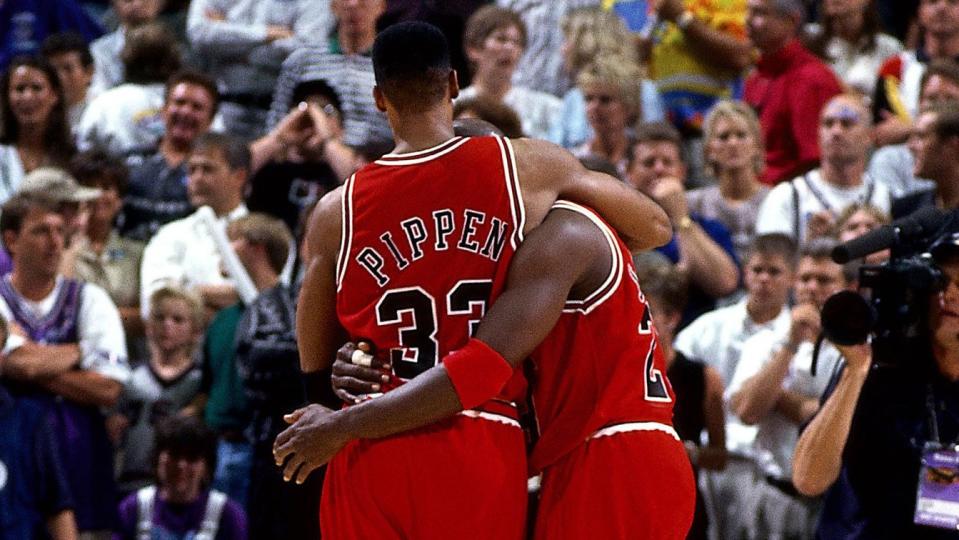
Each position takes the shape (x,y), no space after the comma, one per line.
(626,484)
(461,478)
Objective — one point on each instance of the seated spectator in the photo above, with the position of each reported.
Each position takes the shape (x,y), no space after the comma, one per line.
(809,205)
(305,155)
(345,64)
(34,498)
(158,181)
(702,247)
(849,37)
(590,33)
(699,388)
(893,164)
(788,89)
(494,39)
(181,505)
(24,24)
(717,339)
(35,131)
(490,110)
(858,219)
(612,108)
(243,44)
(183,253)
(775,388)
(269,365)
(733,155)
(102,256)
(69,54)
(70,357)
(127,119)
(162,385)
(108,50)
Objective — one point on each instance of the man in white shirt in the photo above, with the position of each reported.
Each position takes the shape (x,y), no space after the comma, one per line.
(717,338)
(183,252)
(774,389)
(66,352)
(808,206)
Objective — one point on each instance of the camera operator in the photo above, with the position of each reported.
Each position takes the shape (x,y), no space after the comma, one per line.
(878,424)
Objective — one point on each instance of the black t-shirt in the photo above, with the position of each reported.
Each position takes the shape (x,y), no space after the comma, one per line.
(284,189)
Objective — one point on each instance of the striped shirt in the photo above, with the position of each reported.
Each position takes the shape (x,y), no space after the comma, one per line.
(352,78)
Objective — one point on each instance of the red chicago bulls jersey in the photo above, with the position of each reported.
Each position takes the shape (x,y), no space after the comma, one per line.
(427,240)
(601,364)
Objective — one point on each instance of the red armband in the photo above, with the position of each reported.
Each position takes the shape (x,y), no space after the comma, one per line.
(477,372)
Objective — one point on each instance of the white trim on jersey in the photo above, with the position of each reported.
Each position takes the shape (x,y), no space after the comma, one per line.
(517,206)
(346,230)
(635,426)
(615,276)
(429,154)
(492,417)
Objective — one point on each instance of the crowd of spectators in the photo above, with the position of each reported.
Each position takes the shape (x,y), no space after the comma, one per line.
(159,158)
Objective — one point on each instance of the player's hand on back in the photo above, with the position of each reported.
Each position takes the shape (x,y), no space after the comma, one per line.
(309,443)
(357,373)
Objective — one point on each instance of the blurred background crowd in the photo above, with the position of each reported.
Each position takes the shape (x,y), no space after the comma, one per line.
(147,365)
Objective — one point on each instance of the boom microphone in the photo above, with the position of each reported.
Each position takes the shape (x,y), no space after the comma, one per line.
(919,224)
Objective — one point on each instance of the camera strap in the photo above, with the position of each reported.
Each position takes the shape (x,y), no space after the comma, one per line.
(937,495)
(933,415)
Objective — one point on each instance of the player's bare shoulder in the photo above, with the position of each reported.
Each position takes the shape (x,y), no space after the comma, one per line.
(324,226)
(540,162)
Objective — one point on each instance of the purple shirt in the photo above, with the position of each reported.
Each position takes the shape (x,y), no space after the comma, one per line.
(176,521)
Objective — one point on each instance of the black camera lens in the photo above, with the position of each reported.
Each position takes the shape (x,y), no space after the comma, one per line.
(847,318)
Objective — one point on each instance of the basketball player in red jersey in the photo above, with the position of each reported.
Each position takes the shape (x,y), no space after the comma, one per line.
(406,255)
(613,467)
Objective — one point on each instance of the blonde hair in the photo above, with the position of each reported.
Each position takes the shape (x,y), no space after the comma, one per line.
(876,213)
(620,73)
(271,233)
(594,33)
(197,313)
(733,110)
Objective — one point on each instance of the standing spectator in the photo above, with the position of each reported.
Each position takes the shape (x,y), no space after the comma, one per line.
(893,164)
(162,385)
(849,38)
(896,101)
(935,147)
(809,205)
(733,155)
(699,388)
(717,338)
(269,365)
(541,66)
(591,34)
(107,50)
(244,42)
(103,257)
(35,131)
(181,505)
(609,88)
(72,360)
(126,119)
(494,39)
(775,389)
(158,180)
(344,63)
(788,89)
(70,56)
(34,496)
(183,252)
(700,246)
(24,24)
(697,59)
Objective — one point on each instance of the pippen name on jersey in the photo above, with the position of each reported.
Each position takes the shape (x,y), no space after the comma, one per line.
(470,232)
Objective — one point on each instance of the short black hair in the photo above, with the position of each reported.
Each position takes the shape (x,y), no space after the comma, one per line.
(67,42)
(235,151)
(411,63)
(186,436)
(96,168)
(316,87)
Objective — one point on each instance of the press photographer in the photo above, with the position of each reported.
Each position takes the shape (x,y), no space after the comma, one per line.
(883,445)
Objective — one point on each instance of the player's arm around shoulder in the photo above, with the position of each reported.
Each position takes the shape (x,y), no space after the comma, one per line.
(548,172)
(316,326)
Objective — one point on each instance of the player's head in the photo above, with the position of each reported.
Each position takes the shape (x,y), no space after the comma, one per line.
(411,63)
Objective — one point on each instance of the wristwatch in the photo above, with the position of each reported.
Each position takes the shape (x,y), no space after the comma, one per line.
(685,19)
